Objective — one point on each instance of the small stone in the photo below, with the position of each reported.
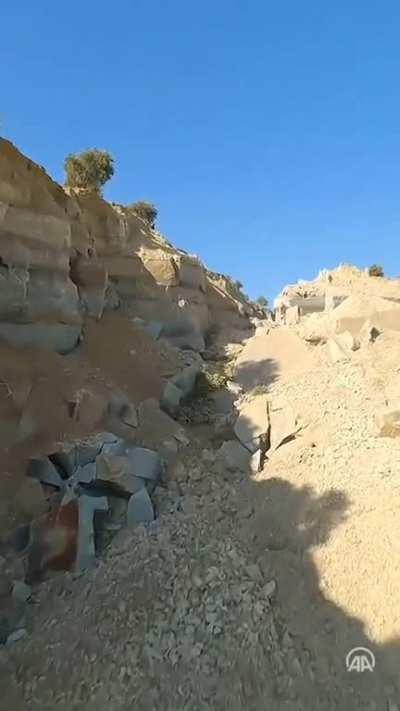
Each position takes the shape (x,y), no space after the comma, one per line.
(182,438)
(269,588)
(16,635)
(254,572)
(129,415)
(234,456)
(21,592)
(140,508)
(208,456)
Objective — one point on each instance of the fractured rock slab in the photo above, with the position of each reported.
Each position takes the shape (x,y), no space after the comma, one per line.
(341,346)
(234,456)
(140,508)
(43,470)
(88,506)
(283,425)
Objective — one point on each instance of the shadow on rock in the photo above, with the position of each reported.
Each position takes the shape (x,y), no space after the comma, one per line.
(250,374)
(286,525)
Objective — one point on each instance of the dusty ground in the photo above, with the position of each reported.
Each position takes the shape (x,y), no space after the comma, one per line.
(247,592)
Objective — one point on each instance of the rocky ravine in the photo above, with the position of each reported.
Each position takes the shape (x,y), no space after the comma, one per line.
(226,514)
(94,310)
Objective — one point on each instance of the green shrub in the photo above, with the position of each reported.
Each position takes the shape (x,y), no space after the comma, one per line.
(146,210)
(375,270)
(262,301)
(89,169)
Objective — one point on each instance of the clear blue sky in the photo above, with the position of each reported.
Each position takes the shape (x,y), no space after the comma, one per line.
(267,132)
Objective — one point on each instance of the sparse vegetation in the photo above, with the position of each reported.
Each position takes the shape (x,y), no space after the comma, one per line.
(146,210)
(262,301)
(89,170)
(375,270)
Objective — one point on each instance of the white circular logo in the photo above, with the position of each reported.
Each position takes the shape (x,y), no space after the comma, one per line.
(360,659)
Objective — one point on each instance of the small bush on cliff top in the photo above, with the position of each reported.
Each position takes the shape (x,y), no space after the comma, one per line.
(262,301)
(146,210)
(375,270)
(89,169)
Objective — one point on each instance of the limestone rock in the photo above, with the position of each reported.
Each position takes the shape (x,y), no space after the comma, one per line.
(186,379)
(340,346)
(140,508)
(21,592)
(116,471)
(256,462)
(44,471)
(155,425)
(253,422)
(223,401)
(183,333)
(58,337)
(171,397)
(388,422)
(283,425)
(162,267)
(234,456)
(128,467)
(87,407)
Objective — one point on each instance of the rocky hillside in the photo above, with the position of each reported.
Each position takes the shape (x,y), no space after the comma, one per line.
(198,507)
(91,299)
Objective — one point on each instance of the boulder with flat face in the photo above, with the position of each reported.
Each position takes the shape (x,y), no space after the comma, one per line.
(253,422)
(128,469)
(233,456)
(140,508)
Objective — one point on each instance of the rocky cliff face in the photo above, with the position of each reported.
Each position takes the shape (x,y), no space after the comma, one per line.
(67,256)
(99,314)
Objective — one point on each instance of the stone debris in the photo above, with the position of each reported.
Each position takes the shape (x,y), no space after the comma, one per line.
(292,315)
(171,398)
(179,387)
(87,475)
